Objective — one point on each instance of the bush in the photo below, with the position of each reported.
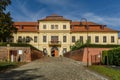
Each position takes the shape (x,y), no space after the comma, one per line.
(113,56)
(79,45)
(104,55)
(19,45)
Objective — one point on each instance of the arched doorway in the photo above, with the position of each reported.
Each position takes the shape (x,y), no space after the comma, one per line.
(54,51)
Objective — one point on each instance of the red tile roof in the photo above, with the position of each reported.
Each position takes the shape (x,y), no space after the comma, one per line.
(54,17)
(75,27)
(91,29)
(26,23)
(27,26)
(83,23)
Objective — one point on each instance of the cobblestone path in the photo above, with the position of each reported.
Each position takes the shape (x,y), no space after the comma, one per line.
(51,69)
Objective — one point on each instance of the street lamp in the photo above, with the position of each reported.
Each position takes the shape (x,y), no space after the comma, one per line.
(8,48)
(86,25)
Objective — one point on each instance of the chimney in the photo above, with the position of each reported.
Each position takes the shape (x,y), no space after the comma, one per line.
(102,27)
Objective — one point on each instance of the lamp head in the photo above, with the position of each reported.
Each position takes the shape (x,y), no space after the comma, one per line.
(81,24)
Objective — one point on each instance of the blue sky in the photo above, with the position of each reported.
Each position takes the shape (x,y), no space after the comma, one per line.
(100,11)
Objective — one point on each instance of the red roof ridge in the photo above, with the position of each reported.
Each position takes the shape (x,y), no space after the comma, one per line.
(84,23)
(54,17)
(25,23)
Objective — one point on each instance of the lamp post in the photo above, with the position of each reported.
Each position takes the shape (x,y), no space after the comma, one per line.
(87,38)
(8,48)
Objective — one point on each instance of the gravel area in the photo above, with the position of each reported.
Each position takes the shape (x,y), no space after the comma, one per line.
(50,69)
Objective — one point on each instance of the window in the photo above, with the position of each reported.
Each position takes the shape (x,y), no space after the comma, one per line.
(54,38)
(73,38)
(96,39)
(89,39)
(112,39)
(37,27)
(44,26)
(104,39)
(45,51)
(81,39)
(64,50)
(27,39)
(56,26)
(44,39)
(72,27)
(64,38)
(52,26)
(35,38)
(19,38)
(12,39)
(21,27)
(64,26)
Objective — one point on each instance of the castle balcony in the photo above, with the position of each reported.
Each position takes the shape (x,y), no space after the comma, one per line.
(54,43)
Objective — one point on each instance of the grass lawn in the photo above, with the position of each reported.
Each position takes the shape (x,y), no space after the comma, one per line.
(9,65)
(113,74)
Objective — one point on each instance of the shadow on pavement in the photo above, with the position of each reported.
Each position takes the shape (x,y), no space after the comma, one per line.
(28,74)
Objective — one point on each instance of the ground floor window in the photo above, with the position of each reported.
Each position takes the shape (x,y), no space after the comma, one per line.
(64,50)
(45,51)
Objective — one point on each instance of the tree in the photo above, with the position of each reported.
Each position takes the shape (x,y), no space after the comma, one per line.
(78,44)
(6,24)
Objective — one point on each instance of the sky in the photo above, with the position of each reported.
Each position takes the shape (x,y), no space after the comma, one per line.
(105,12)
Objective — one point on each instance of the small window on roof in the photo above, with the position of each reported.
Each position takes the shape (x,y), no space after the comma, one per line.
(72,27)
(21,27)
(37,27)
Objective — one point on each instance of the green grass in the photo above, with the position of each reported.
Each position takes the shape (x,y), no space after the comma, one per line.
(113,74)
(9,65)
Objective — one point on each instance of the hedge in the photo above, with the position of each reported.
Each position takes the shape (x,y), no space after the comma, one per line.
(18,45)
(113,56)
(104,53)
(94,46)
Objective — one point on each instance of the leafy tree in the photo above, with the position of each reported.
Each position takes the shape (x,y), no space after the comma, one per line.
(6,24)
(78,44)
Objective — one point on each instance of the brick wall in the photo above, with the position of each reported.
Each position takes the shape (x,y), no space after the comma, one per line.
(94,55)
(27,55)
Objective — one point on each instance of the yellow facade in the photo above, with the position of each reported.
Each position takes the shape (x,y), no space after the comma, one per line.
(46,30)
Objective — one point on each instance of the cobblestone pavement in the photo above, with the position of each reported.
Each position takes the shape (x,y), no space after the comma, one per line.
(51,69)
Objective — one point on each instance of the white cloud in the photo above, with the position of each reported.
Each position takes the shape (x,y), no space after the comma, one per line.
(53,2)
(22,13)
(112,21)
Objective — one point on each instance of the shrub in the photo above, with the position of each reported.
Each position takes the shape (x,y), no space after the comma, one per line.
(19,45)
(113,56)
(104,55)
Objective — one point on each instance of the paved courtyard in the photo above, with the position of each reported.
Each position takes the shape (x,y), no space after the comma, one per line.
(51,69)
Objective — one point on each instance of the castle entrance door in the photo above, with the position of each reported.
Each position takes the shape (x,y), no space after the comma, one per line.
(54,51)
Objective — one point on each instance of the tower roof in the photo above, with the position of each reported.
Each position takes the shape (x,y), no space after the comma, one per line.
(54,17)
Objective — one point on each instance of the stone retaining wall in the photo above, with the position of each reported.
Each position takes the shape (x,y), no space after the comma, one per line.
(12,54)
(94,55)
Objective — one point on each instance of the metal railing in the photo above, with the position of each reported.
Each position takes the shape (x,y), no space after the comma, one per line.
(54,43)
